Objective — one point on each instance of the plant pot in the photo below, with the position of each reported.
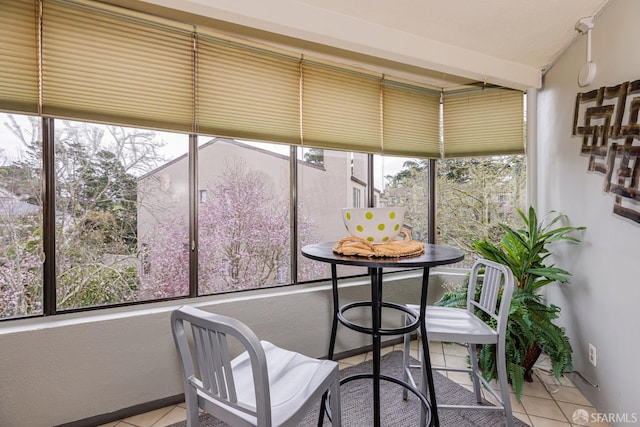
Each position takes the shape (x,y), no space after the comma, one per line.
(529,360)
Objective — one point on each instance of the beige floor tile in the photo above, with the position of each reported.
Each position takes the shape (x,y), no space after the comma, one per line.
(177,414)
(546,422)
(516,406)
(113,424)
(455,349)
(388,349)
(549,379)
(415,354)
(522,417)
(148,419)
(571,395)
(342,366)
(383,351)
(459,377)
(490,398)
(535,389)
(437,359)
(468,387)
(435,347)
(413,344)
(570,410)
(494,384)
(354,360)
(452,361)
(400,347)
(541,407)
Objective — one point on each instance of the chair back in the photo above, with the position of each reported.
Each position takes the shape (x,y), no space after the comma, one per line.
(210,373)
(496,281)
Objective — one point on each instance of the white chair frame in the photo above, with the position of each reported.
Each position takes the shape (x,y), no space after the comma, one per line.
(265,386)
(447,324)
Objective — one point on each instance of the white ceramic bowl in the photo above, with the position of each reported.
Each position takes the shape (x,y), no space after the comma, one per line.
(377,225)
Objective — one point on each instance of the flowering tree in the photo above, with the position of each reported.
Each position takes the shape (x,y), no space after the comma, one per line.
(20,266)
(244,240)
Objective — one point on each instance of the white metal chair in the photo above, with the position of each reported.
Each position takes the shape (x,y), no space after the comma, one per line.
(264,386)
(460,325)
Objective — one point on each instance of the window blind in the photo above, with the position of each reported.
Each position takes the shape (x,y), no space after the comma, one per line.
(103,64)
(247,92)
(483,122)
(19,75)
(411,120)
(112,65)
(340,108)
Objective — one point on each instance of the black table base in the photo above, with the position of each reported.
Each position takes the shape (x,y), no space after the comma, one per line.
(434,255)
(428,415)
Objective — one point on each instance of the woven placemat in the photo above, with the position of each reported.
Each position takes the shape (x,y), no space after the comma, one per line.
(357,246)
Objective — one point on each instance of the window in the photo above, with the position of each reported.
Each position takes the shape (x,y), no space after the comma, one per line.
(20,216)
(323,192)
(357,197)
(162,221)
(313,155)
(406,183)
(122,217)
(475,195)
(244,232)
(134,215)
(113,203)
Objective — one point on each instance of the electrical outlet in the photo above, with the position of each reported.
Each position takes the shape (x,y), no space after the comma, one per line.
(592,354)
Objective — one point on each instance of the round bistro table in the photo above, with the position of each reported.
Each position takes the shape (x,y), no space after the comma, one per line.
(433,255)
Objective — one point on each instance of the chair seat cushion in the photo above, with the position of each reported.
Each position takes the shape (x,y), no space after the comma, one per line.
(451,324)
(293,380)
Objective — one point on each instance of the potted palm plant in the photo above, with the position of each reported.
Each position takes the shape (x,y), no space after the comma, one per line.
(530,329)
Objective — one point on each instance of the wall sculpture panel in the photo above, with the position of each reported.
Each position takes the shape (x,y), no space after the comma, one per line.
(607,120)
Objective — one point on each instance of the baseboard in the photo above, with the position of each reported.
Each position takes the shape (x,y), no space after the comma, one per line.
(126,412)
(366,348)
(174,400)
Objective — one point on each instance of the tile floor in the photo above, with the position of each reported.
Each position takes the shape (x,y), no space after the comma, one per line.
(544,402)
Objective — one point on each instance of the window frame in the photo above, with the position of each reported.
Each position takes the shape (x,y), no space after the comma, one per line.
(49,241)
(390,102)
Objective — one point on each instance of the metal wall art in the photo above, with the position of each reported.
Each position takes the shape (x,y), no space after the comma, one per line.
(609,128)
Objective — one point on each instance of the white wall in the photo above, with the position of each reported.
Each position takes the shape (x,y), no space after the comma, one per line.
(72,367)
(600,306)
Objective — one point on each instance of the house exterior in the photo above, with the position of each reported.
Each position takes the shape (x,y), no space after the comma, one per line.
(163,195)
(164,191)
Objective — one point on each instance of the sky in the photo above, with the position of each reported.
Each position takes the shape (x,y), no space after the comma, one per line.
(177,145)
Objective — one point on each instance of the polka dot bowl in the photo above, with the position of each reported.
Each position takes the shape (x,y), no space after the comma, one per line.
(376,225)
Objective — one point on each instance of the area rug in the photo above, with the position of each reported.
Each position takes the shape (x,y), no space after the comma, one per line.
(395,412)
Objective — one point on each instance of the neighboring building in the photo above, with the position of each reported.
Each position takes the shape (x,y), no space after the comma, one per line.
(163,193)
